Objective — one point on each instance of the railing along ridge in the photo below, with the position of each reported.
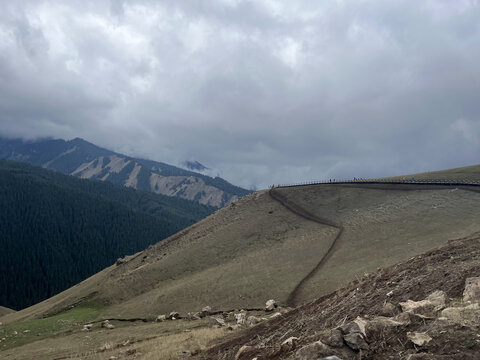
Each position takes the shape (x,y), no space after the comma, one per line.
(381,181)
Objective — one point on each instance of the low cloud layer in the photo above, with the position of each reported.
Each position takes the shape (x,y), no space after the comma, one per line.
(264,91)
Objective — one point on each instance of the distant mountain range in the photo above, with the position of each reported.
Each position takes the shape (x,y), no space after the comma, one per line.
(85,160)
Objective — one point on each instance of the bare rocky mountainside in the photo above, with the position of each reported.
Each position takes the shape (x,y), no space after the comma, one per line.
(80,158)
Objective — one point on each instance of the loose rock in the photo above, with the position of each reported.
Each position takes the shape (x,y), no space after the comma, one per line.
(216,321)
(161,318)
(273,316)
(334,338)
(312,351)
(354,334)
(241,318)
(106,324)
(468,315)
(173,315)
(472,289)
(389,310)
(252,320)
(355,341)
(418,338)
(194,316)
(270,305)
(245,352)
(206,311)
(289,344)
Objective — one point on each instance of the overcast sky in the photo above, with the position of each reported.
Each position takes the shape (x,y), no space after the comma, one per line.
(263,91)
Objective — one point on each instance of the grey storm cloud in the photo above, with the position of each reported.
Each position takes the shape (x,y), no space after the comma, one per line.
(263,91)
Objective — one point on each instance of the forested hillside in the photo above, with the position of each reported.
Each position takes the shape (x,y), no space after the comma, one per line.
(56,230)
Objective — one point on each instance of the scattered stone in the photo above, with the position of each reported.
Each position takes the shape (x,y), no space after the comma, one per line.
(252,320)
(216,321)
(273,316)
(270,305)
(403,318)
(312,351)
(289,344)
(428,307)
(233,327)
(355,341)
(390,293)
(14,333)
(381,327)
(106,324)
(381,322)
(389,310)
(432,304)
(173,315)
(438,299)
(161,318)
(334,357)
(355,326)
(354,334)
(467,315)
(334,338)
(206,311)
(241,318)
(472,289)
(194,316)
(418,338)
(120,261)
(112,358)
(87,327)
(245,352)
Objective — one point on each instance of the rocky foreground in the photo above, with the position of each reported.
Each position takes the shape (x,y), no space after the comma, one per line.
(426,308)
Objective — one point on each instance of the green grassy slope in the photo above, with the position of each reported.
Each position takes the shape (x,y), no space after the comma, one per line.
(256,249)
(56,230)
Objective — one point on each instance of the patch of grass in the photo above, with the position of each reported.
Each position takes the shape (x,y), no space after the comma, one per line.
(170,347)
(21,333)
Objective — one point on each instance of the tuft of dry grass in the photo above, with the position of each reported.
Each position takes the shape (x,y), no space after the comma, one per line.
(171,346)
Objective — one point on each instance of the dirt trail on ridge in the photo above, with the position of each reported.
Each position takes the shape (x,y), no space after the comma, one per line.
(292,299)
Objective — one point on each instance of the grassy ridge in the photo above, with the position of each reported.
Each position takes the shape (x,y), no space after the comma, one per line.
(462,173)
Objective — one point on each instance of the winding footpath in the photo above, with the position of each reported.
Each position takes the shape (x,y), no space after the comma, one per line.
(293,297)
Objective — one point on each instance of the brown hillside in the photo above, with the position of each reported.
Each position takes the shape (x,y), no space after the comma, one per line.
(5,311)
(258,248)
